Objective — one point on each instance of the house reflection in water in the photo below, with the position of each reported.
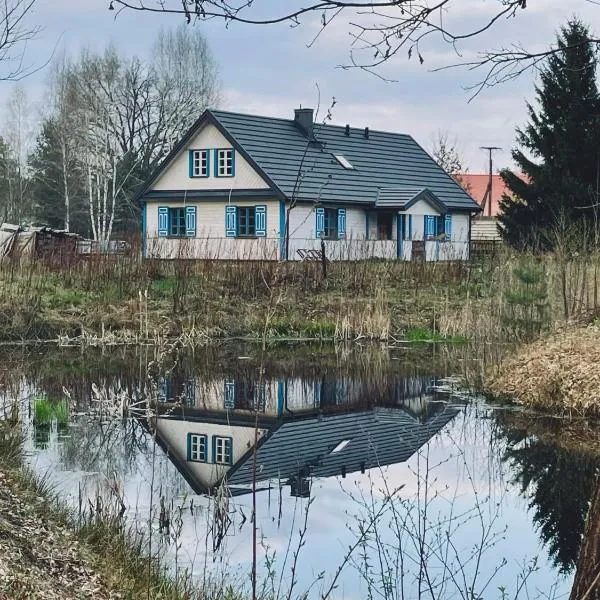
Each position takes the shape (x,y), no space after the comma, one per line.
(306,428)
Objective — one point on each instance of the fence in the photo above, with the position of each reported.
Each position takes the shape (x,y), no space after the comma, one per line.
(273,248)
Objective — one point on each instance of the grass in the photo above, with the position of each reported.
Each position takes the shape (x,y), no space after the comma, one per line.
(48,411)
(132,299)
(104,545)
(422,334)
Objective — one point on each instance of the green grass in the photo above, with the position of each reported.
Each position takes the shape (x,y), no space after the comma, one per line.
(422,334)
(48,411)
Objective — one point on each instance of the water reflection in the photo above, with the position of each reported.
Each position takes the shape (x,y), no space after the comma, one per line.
(557,481)
(301,427)
(339,437)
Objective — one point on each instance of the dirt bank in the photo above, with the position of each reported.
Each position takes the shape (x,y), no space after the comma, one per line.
(39,558)
(558,373)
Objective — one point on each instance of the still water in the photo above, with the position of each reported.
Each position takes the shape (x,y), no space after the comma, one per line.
(374,474)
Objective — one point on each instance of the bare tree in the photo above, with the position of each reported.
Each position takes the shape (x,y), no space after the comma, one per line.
(115,118)
(15,32)
(379,30)
(17,133)
(445,153)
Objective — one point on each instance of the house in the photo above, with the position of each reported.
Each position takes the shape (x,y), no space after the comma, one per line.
(235,183)
(301,428)
(484,227)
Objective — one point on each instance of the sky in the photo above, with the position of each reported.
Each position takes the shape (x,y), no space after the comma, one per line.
(272,70)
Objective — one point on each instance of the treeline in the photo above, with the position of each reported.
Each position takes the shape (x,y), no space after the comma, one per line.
(106,122)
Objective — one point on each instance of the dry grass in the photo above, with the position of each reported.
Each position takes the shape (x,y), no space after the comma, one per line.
(557,373)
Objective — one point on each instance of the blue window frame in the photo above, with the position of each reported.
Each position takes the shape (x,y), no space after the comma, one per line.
(224,162)
(244,394)
(199,163)
(222,450)
(179,221)
(246,221)
(197,447)
(432,226)
(330,223)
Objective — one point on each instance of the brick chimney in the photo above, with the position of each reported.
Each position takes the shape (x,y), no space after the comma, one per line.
(304,119)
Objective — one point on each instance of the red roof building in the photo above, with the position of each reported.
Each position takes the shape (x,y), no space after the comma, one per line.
(476,185)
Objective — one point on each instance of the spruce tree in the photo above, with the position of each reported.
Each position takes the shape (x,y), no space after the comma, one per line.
(558,151)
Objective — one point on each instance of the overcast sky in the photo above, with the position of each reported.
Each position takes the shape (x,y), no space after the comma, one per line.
(271,70)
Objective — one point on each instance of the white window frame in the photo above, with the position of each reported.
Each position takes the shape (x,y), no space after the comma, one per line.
(200,163)
(198,447)
(224,162)
(222,457)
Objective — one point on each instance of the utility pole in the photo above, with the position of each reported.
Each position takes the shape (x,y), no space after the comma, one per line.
(487,197)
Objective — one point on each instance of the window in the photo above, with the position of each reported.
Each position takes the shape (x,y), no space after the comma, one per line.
(244,394)
(246,221)
(405,227)
(179,221)
(432,226)
(222,450)
(199,163)
(224,163)
(385,223)
(330,223)
(343,161)
(340,446)
(177,388)
(197,447)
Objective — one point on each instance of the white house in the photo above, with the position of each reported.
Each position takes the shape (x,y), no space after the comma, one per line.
(252,187)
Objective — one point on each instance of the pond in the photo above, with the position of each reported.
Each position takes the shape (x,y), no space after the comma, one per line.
(372,472)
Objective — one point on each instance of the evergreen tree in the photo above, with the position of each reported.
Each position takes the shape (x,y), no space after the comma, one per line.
(558,152)
(53,170)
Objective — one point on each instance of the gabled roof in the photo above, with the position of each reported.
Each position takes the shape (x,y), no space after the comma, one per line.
(376,438)
(279,150)
(404,197)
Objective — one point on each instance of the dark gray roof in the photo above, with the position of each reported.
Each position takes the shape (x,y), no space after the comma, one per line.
(378,437)
(381,160)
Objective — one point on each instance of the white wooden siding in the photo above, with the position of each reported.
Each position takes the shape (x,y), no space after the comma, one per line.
(175,433)
(210,241)
(176,175)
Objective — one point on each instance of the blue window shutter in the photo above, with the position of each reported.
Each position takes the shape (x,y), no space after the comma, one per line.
(190,221)
(191,162)
(230,221)
(260,220)
(233,162)
(320,222)
(163,221)
(216,161)
(425,227)
(229,401)
(207,171)
(341,222)
(448,226)
(410,227)
(189,446)
(190,392)
(162,389)
(214,448)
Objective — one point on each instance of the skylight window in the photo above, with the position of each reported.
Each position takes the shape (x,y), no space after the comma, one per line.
(340,446)
(343,161)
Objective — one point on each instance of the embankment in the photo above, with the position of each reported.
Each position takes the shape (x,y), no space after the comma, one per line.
(557,373)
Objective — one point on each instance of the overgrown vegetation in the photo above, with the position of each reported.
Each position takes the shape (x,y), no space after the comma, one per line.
(100,556)
(127,299)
